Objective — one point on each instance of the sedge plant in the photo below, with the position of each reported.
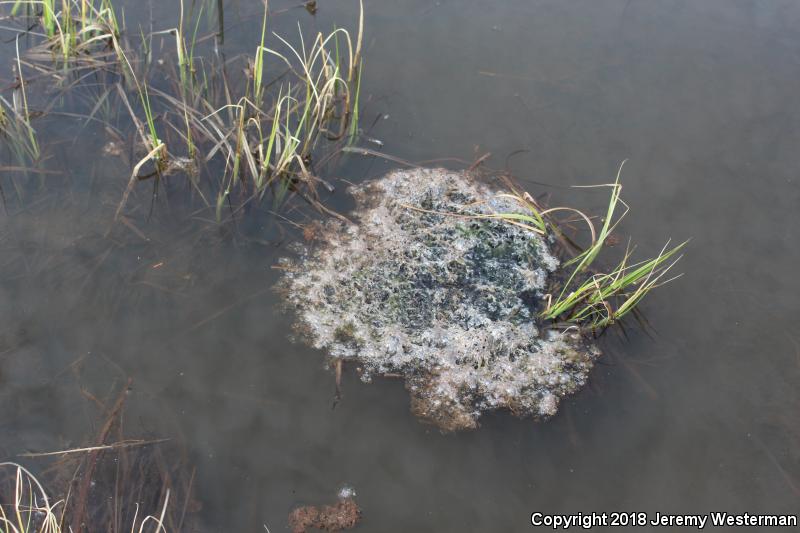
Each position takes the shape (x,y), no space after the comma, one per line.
(589,297)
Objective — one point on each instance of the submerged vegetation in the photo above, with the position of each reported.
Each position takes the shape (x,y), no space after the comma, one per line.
(115,485)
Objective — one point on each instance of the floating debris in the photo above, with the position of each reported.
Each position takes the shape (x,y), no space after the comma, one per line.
(344,514)
(426,286)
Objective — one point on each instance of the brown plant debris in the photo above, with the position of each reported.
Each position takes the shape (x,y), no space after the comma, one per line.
(342,515)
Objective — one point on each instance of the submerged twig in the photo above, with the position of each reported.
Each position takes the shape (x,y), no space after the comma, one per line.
(117,445)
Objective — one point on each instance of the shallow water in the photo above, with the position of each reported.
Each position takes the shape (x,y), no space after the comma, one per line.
(699,416)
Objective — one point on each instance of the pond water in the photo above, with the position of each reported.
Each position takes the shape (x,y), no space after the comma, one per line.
(698,415)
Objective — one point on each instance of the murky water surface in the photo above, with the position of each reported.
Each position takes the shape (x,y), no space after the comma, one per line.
(701,97)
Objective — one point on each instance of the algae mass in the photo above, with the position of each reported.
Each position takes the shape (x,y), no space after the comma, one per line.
(424,286)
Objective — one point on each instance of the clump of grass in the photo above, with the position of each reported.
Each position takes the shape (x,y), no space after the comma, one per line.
(75,29)
(591,298)
(265,132)
(30,510)
(605,298)
(265,143)
(262,146)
